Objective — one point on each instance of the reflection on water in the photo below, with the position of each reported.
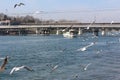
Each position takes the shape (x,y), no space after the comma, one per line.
(45,53)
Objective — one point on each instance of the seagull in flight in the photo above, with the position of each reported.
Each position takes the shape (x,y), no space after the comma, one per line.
(2,67)
(55,67)
(85,48)
(19,68)
(20,4)
(85,68)
(88,27)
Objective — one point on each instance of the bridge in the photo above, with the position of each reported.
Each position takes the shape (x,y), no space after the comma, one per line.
(64,25)
(54,27)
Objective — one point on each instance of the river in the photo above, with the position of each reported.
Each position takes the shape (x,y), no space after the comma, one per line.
(57,58)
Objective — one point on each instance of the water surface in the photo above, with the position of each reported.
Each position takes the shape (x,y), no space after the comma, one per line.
(42,53)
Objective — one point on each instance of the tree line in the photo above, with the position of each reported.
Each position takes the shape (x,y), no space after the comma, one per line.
(19,20)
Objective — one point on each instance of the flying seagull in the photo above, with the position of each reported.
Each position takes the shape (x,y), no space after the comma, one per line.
(55,67)
(20,4)
(112,22)
(2,67)
(88,27)
(85,68)
(85,48)
(19,68)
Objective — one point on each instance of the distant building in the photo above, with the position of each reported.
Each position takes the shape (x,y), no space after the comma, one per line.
(5,22)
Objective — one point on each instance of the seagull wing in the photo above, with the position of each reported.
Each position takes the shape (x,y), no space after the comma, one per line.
(13,69)
(4,63)
(90,45)
(87,66)
(55,67)
(90,24)
(15,5)
(28,68)
(83,49)
(21,4)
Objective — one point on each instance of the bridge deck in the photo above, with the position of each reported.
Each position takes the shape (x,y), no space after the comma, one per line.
(61,26)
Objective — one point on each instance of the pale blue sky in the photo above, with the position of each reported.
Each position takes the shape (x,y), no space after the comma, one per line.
(82,10)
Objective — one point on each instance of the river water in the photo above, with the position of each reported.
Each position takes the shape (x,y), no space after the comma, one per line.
(43,53)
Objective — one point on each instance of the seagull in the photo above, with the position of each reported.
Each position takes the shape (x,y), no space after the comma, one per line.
(85,48)
(88,27)
(2,67)
(19,68)
(55,67)
(2,58)
(87,66)
(18,5)
(112,22)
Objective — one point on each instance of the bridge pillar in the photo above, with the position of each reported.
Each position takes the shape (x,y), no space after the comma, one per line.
(95,32)
(57,32)
(103,32)
(80,31)
(37,31)
(19,32)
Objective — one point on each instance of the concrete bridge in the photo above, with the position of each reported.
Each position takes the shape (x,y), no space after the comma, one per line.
(54,27)
(64,25)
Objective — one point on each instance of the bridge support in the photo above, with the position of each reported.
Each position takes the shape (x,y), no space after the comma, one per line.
(19,32)
(57,32)
(95,32)
(80,31)
(37,31)
(103,32)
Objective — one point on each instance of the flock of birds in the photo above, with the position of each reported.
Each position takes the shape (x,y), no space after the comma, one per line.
(5,61)
(18,68)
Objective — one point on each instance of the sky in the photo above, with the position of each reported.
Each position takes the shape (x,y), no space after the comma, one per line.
(80,10)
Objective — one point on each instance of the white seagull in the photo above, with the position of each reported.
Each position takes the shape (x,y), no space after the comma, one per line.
(88,27)
(2,67)
(55,67)
(112,22)
(85,48)
(19,68)
(85,68)
(2,58)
